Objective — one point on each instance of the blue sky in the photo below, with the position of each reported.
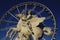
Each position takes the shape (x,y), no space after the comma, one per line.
(54,5)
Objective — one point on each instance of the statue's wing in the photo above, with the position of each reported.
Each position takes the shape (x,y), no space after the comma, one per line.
(35,21)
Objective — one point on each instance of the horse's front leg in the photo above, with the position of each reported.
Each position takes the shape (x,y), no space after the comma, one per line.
(14,30)
(37,33)
(9,33)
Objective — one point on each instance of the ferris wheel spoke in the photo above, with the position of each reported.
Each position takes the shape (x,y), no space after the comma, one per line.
(25,9)
(12,15)
(18,10)
(33,8)
(39,13)
(4,29)
(49,17)
(10,21)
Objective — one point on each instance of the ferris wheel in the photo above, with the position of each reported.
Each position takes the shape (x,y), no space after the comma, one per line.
(28,21)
